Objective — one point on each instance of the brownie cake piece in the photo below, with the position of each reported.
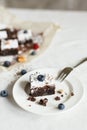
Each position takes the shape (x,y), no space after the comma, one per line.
(41,84)
(8,41)
(8,47)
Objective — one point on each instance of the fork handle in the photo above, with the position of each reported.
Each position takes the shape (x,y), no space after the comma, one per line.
(82,61)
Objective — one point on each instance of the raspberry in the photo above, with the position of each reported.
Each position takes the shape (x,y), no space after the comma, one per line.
(36,46)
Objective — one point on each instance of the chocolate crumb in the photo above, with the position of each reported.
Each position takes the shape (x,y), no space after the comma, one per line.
(31,98)
(72,94)
(62,95)
(57,98)
(29,105)
(43,101)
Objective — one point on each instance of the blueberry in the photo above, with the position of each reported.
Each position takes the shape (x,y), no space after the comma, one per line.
(33,53)
(4,93)
(7,63)
(41,78)
(25,31)
(61,106)
(23,72)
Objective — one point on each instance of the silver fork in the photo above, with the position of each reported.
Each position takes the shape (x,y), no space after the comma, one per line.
(66,71)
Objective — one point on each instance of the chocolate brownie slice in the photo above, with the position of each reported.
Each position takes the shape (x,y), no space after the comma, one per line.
(8,47)
(41,84)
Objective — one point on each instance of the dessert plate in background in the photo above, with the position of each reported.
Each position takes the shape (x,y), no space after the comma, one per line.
(69,86)
(42,32)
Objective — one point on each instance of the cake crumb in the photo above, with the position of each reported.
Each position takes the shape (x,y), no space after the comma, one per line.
(57,98)
(31,98)
(72,94)
(43,101)
(60,91)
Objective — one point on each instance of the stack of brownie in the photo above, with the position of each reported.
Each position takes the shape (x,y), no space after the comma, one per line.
(16,41)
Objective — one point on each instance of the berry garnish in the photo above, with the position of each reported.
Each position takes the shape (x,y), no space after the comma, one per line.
(4,93)
(7,63)
(41,78)
(33,53)
(61,106)
(25,31)
(35,46)
(23,72)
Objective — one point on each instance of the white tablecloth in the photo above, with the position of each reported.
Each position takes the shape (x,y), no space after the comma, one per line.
(68,47)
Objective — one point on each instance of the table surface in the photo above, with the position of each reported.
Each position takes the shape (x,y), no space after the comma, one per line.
(14,118)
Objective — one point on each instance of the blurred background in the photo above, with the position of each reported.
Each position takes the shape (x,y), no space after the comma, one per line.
(46,4)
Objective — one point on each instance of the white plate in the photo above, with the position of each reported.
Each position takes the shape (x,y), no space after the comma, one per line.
(69,85)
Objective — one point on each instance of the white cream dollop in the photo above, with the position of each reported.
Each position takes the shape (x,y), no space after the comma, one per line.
(24,36)
(49,80)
